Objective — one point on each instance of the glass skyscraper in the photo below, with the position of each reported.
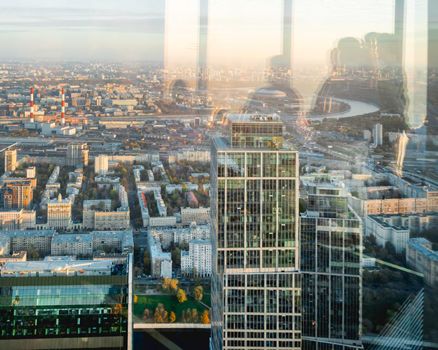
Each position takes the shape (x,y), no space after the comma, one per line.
(66,305)
(331,241)
(256,286)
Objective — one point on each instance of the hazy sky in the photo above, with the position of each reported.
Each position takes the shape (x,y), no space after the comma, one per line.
(245,32)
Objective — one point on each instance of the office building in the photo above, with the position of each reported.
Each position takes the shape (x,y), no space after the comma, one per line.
(254,216)
(10,160)
(101,164)
(422,258)
(196,261)
(17,195)
(331,248)
(77,154)
(59,213)
(66,304)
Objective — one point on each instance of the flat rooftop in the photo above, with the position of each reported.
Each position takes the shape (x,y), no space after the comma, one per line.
(254,118)
(56,267)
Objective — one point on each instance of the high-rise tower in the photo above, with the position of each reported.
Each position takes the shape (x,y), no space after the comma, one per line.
(256,284)
(331,248)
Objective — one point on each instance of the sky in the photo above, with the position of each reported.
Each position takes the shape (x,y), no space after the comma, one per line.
(241,32)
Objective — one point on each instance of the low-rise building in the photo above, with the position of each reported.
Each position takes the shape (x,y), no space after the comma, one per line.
(118,241)
(421,257)
(17,219)
(97,214)
(386,232)
(198,215)
(31,240)
(161,262)
(72,244)
(14,257)
(179,235)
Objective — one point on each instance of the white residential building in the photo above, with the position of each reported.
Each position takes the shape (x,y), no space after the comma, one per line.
(198,215)
(59,213)
(101,164)
(161,262)
(17,219)
(385,232)
(197,261)
(72,244)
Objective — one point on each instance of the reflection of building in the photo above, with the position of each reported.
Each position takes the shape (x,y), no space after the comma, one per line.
(421,257)
(66,304)
(331,247)
(10,160)
(254,216)
(59,213)
(378,135)
(77,154)
(197,260)
(432,67)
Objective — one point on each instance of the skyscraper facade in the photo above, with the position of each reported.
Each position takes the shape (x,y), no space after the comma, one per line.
(256,284)
(331,241)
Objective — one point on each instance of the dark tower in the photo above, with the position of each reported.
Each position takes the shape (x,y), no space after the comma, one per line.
(432,68)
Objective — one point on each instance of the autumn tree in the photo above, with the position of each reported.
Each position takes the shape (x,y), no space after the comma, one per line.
(205,317)
(135,299)
(160,314)
(172,317)
(146,314)
(181,295)
(194,314)
(198,293)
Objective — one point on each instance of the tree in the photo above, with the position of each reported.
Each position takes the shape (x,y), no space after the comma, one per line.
(181,296)
(194,314)
(160,314)
(198,293)
(172,317)
(146,314)
(205,317)
(173,284)
(135,299)
(176,256)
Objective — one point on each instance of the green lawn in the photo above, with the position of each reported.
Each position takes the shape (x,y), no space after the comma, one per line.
(170,303)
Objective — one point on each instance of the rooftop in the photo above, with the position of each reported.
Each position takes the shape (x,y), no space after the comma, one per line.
(56,267)
(421,245)
(254,118)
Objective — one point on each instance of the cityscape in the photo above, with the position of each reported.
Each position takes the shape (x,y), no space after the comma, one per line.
(219,174)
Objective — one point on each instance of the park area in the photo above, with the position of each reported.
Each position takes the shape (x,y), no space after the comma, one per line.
(166,308)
